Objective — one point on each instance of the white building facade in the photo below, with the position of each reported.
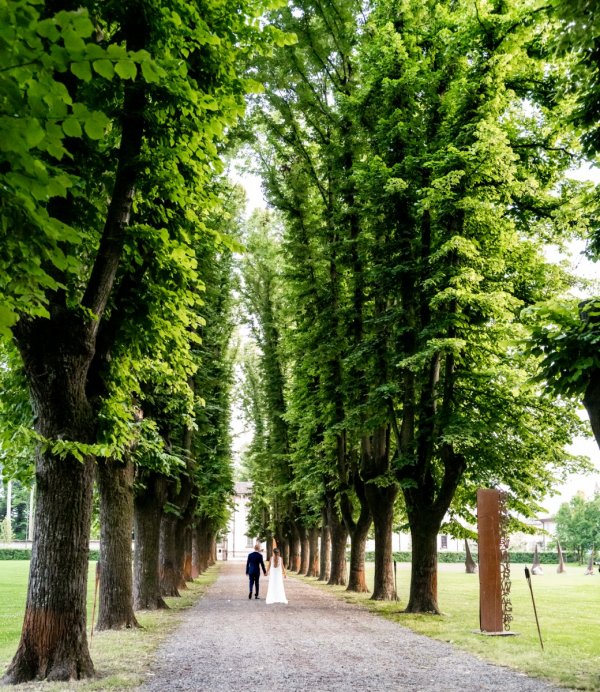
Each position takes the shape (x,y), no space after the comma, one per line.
(236,544)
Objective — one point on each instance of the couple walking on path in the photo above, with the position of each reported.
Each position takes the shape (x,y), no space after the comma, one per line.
(276,573)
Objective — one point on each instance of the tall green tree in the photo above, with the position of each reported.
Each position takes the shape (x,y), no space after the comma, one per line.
(168,78)
(578,524)
(261,289)
(460,187)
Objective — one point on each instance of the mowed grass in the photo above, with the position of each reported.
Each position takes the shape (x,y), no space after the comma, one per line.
(121,658)
(568,607)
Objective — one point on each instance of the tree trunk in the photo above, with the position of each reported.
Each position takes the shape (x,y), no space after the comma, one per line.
(187,564)
(313,552)
(423,577)
(205,545)
(167,561)
(591,401)
(339,539)
(285,550)
(294,549)
(304,550)
(53,642)
(179,538)
(195,552)
(115,485)
(381,501)
(358,540)
(147,515)
(325,550)
(358,530)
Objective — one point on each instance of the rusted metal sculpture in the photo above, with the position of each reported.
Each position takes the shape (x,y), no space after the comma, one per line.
(561,561)
(504,563)
(495,609)
(537,622)
(470,564)
(590,568)
(536,567)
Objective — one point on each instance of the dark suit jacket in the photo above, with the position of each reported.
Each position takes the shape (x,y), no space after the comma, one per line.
(254,563)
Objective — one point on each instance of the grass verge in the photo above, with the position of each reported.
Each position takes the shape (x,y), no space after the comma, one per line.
(568,607)
(121,658)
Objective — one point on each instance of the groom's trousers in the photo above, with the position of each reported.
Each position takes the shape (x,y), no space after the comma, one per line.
(254,579)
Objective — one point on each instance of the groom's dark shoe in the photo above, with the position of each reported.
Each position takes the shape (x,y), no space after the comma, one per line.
(250,595)
(256,596)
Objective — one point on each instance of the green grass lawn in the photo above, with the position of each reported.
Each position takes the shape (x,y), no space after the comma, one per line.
(568,607)
(120,657)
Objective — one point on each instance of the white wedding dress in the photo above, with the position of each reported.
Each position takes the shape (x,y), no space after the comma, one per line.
(275,591)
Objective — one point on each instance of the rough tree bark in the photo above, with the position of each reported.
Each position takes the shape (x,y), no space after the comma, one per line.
(294,548)
(304,549)
(168,574)
(148,504)
(313,552)
(381,502)
(187,564)
(204,544)
(381,493)
(423,578)
(357,580)
(339,539)
(179,536)
(115,485)
(53,643)
(325,549)
(358,530)
(195,553)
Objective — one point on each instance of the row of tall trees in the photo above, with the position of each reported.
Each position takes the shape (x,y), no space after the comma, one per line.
(417,156)
(115,280)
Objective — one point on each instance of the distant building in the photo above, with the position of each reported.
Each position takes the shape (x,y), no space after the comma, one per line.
(236,543)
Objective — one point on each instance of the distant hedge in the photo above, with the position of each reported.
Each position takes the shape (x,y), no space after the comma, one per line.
(25,554)
(520,557)
(15,554)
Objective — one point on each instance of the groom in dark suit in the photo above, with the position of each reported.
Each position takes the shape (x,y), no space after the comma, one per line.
(254,563)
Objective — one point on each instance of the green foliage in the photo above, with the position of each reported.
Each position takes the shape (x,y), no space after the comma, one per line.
(417,156)
(17,445)
(577,34)
(565,336)
(578,524)
(19,520)
(38,117)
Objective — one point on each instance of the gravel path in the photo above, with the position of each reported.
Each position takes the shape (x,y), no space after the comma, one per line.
(316,643)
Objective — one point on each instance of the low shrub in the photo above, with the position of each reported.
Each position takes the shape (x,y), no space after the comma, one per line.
(25,554)
(549,558)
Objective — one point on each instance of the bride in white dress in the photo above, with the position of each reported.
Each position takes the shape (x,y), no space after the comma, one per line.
(276,573)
